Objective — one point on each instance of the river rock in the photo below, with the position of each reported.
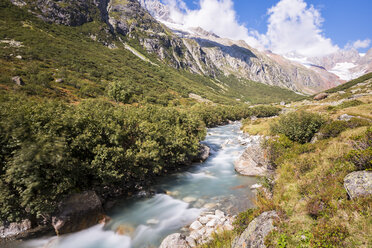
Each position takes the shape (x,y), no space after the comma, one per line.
(77,212)
(175,240)
(14,228)
(253,162)
(196,225)
(212,223)
(256,186)
(189,199)
(219,214)
(203,154)
(203,220)
(320,96)
(152,222)
(358,183)
(254,235)
(190,241)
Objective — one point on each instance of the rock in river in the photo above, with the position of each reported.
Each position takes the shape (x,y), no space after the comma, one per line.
(254,235)
(203,154)
(175,240)
(358,183)
(14,229)
(77,212)
(253,162)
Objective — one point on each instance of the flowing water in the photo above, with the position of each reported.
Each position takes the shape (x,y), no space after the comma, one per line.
(145,222)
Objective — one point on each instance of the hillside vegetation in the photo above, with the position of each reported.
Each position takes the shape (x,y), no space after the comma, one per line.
(80,62)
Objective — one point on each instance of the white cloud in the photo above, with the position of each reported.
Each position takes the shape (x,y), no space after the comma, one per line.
(360,44)
(217,16)
(295,27)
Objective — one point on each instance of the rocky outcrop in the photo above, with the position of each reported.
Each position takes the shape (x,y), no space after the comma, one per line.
(358,184)
(14,228)
(175,240)
(77,212)
(253,161)
(257,230)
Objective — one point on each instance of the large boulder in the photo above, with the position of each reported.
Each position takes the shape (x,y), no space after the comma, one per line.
(253,162)
(175,240)
(13,229)
(320,96)
(77,212)
(358,183)
(203,154)
(254,235)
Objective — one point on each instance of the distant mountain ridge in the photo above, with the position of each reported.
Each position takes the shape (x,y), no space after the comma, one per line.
(239,59)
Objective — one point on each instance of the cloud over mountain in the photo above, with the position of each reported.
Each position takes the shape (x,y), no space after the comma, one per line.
(292,26)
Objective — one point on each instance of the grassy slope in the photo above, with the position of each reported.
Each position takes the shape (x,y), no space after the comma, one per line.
(55,51)
(313,173)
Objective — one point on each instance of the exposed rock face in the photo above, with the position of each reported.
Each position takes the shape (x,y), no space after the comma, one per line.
(257,230)
(358,183)
(77,212)
(253,162)
(320,96)
(237,58)
(175,240)
(14,229)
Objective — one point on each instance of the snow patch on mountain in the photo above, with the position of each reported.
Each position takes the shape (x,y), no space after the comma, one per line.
(344,71)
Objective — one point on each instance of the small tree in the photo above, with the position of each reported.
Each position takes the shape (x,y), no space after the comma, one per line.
(298,126)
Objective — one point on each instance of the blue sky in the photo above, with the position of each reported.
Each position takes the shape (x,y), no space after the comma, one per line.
(344,21)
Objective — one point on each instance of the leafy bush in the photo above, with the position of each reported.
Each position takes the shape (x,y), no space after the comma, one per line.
(243,219)
(298,126)
(334,128)
(361,157)
(328,234)
(276,147)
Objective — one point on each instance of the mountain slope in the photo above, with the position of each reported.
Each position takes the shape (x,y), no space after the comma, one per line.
(239,59)
(84,61)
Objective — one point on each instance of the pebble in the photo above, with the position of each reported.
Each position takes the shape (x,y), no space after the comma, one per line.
(189,199)
(210,205)
(152,221)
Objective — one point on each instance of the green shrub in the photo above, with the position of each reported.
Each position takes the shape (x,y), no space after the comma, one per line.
(328,234)
(276,147)
(243,219)
(361,156)
(298,126)
(333,129)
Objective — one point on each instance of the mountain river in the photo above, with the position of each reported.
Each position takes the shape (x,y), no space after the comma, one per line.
(144,222)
